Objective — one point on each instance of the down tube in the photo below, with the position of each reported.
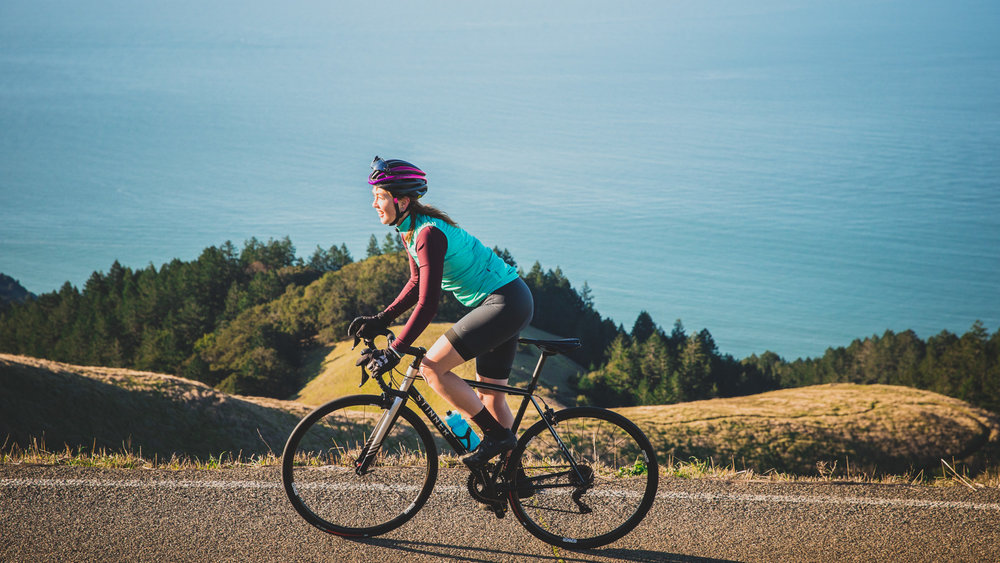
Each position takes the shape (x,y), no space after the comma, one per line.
(442,428)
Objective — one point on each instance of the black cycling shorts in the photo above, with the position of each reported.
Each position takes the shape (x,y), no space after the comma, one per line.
(489,332)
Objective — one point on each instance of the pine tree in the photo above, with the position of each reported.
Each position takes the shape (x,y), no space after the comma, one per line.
(330,260)
(643,328)
(587,295)
(373,247)
(392,243)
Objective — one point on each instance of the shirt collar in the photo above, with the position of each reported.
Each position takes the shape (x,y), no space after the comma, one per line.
(408,219)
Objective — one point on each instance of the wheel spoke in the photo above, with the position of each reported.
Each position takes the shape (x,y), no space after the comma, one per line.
(319,468)
(596,500)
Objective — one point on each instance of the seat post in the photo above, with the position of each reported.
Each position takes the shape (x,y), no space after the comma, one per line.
(538,371)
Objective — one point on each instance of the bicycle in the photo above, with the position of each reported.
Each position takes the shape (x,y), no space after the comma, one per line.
(363,465)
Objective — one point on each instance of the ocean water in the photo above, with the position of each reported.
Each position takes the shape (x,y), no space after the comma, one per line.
(788,175)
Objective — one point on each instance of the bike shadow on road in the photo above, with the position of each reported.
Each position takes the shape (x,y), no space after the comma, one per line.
(639,555)
(476,554)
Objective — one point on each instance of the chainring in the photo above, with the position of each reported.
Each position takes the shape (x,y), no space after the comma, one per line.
(479,487)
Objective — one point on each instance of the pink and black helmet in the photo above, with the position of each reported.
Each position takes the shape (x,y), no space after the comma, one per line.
(398,177)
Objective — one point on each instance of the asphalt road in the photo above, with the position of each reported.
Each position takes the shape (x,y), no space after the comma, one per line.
(71,514)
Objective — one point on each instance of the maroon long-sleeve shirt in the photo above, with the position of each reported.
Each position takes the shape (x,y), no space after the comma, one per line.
(423,287)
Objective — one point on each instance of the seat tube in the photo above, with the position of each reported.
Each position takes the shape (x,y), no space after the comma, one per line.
(531,390)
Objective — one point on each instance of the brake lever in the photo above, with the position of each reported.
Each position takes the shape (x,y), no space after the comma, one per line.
(363,361)
(369,348)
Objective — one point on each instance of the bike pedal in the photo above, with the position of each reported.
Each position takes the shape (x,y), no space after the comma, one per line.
(500,510)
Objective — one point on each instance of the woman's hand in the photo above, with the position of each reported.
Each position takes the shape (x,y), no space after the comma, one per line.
(367,328)
(379,361)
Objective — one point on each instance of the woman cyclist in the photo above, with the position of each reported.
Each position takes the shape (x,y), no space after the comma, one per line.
(444,256)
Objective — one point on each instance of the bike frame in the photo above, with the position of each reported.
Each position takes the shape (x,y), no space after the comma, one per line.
(406,391)
(536,479)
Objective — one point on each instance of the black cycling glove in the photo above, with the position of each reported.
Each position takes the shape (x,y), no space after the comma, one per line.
(379,361)
(367,327)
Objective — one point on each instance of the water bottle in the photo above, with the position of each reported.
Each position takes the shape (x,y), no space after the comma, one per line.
(461,428)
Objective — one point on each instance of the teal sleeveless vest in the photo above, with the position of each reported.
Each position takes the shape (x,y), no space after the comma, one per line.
(471,270)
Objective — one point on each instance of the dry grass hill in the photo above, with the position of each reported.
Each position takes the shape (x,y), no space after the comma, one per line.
(867,428)
(115,409)
(870,428)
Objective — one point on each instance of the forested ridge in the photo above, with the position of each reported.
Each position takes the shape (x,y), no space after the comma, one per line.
(12,292)
(241,319)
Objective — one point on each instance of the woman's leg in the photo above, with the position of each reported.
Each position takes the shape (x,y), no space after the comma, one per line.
(494,367)
(485,333)
(436,369)
(496,401)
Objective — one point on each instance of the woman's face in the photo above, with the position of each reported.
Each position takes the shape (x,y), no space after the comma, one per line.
(384,207)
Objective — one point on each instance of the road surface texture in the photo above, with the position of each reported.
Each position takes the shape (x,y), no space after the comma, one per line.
(76,514)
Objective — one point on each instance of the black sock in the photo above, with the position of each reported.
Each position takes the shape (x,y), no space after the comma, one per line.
(485,421)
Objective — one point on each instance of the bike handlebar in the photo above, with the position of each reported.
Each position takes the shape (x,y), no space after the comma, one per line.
(415,351)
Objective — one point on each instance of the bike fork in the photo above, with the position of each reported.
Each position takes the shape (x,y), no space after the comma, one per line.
(374,443)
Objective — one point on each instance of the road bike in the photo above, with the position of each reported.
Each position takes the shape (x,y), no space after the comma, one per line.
(363,465)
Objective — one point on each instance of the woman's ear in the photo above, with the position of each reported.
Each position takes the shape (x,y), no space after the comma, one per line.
(403,203)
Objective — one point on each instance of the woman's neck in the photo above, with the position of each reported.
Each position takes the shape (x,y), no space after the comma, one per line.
(402,219)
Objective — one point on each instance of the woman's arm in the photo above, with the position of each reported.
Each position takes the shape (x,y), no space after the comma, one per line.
(431,247)
(407,297)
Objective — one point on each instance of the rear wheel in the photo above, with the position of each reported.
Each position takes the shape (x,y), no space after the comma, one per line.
(597,499)
(320,475)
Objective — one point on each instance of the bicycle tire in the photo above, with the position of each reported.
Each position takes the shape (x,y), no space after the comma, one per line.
(614,457)
(318,472)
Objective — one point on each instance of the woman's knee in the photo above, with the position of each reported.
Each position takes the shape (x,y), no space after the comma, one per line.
(440,359)
(431,372)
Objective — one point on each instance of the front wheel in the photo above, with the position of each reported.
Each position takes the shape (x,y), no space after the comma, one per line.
(320,472)
(597,499)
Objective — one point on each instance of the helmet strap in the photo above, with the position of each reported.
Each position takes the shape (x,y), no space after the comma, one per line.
(399,216)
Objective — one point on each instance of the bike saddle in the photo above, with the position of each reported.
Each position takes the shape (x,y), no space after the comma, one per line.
(560,346)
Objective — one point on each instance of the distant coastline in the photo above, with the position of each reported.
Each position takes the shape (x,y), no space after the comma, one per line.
(789,193)
(11,291)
